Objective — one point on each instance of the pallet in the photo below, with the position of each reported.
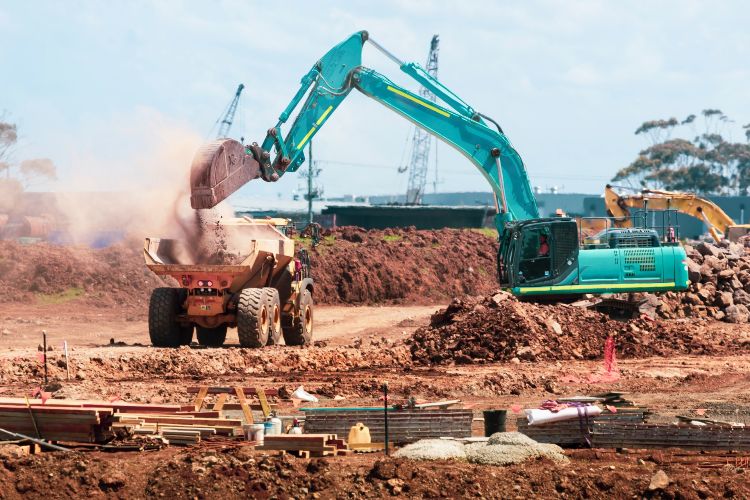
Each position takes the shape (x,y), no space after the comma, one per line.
(315,445)
(404,426)
(643,435)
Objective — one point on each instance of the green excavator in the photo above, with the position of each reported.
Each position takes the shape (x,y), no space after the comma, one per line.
(537,256)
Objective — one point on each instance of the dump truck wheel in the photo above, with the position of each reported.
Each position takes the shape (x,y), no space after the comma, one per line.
(186,335)
(274,315)
(163,308)
(212,337)
(301,330)
(252,318)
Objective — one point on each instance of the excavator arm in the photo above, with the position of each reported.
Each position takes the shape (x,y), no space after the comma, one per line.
(215,175)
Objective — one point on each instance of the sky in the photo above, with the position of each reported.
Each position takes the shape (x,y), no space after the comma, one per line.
(120,94)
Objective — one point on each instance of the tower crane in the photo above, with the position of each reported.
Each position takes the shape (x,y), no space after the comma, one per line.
(421,140)
(226,119)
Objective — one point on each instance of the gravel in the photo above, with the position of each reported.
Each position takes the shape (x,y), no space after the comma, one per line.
(503,448)
(432,449)
(511,438)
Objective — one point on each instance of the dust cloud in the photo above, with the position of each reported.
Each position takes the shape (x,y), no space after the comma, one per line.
(146,193)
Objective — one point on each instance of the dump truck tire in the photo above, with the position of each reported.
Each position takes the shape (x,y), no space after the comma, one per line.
(301,330)
(252,318)
(274,315)
(212,337)
(163,308)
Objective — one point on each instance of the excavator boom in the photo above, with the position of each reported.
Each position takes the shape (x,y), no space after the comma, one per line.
(325,86)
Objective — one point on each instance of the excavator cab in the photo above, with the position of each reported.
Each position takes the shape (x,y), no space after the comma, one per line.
(538,252)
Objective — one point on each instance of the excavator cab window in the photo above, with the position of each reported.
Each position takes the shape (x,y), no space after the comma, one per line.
(535,261)
(540,253)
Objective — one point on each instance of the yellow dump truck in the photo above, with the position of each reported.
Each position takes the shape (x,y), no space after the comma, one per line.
(259,285)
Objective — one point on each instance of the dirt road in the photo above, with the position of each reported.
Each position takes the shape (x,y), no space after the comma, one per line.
(21,325)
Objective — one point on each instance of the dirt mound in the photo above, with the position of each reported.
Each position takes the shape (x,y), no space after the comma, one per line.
(356,266)
(111,276)
(352,266)
(719,285)
(501,328)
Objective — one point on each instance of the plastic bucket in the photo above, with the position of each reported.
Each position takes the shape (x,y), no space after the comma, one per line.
(254,432)
(268,428)
(494,421)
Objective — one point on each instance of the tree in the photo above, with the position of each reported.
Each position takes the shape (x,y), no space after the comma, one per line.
(15,178)
(707,164)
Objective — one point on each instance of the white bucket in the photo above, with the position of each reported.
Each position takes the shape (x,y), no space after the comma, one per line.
(254,432)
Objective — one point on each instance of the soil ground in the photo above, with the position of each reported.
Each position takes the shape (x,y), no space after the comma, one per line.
(357,348)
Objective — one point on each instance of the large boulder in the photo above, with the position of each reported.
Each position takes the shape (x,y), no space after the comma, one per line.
(715,263)
(737,314)
(724,300)
(707,249)
(694,271)
(741,297)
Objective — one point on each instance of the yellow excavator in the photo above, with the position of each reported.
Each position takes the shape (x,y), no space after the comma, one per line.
(719,224)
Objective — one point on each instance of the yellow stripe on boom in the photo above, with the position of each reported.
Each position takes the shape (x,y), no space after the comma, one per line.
(419,101)
(317,123)
(307,136)
(320,120)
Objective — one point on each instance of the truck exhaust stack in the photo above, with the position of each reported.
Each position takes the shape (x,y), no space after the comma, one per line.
(219,169)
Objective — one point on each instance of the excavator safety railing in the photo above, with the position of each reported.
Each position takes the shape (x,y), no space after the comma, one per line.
(599,232)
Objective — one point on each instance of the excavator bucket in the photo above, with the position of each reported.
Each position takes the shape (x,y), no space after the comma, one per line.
(219,169)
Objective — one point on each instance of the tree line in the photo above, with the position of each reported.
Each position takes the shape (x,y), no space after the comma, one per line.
(709,163)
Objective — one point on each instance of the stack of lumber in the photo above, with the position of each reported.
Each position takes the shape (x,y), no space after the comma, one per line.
(178,427)
(643,435)
(57,423)
(576,431)
(306,445)
(91,421)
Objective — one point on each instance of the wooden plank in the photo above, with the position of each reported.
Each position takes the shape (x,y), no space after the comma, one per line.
(243,402)
(219,404)
(263,403)
(220,422)
(200,397)
(253,406)
(250,391)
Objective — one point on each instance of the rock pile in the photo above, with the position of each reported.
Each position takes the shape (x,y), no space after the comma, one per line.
(719,285)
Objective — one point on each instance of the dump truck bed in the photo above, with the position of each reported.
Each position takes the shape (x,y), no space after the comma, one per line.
(247,250)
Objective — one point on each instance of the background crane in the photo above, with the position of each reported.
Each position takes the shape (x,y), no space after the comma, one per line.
(421,139)
(226,119)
